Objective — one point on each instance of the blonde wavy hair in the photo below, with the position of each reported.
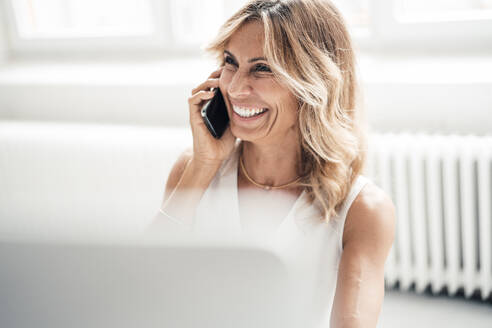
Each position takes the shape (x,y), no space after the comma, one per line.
(307,45)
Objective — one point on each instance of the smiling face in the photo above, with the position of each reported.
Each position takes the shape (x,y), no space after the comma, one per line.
(260,108)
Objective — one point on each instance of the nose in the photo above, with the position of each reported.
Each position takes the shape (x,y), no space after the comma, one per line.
(239,86)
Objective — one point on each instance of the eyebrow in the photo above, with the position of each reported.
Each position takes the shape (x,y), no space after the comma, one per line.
(249,61)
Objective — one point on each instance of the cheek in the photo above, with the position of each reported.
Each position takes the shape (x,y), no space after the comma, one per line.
(284,100)
(288,106)
(224,80)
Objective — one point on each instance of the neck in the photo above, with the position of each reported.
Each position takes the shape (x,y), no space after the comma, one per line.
(272,164)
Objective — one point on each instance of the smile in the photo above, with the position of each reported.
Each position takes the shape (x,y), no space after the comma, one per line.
(248,112)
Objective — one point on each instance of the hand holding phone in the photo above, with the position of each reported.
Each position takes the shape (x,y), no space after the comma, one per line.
(213,141)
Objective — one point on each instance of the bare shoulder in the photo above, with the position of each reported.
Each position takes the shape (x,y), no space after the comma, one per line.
(177,171)
(371,219)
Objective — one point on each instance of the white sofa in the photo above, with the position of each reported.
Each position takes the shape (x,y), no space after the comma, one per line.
(58,179)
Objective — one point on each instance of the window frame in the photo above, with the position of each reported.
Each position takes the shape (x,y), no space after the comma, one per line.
(387,31)
(385,34)
(19,47)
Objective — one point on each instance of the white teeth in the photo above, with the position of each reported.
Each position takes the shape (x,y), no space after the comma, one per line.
(247,112)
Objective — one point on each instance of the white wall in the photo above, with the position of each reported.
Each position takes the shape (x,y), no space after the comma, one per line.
(442,92)
(444,95)
(3,36)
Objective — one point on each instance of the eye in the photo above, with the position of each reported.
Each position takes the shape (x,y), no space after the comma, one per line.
(229,60)
(262,68)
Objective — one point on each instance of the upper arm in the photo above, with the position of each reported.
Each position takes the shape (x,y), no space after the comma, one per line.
(367,239)
(177,171)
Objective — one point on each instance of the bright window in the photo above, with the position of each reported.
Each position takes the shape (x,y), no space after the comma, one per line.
(195,21)
(181,26)
(436,10)
(75,18)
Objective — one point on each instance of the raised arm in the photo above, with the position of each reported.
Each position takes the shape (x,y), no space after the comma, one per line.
(195,168)
(185,186)
(367,239)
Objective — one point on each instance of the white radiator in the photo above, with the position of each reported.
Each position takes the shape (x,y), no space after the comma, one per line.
(441,188)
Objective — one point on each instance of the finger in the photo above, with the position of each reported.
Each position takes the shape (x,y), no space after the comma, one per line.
(199,96)
(210,83)
(217,72)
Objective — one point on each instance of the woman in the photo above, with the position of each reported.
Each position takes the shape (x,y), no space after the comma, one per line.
(295,138)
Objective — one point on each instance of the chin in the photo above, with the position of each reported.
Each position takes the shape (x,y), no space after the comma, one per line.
(244,135)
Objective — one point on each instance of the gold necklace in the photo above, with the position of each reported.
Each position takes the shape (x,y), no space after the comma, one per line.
(266,187)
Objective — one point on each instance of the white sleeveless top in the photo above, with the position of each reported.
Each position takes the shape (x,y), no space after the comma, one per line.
(311,247)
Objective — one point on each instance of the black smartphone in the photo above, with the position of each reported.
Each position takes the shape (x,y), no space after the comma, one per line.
(214,114)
